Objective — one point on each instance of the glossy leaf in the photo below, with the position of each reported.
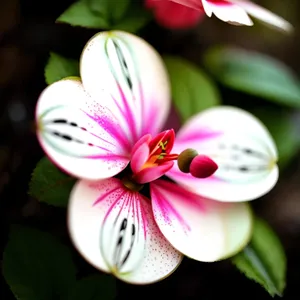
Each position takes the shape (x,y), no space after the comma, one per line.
(81,14)
(48,184)
(94,287)
(126,15)
(59,67)
(135,19)
(37,266)
(111,11)
(263,260)
(254,73)
(192,90)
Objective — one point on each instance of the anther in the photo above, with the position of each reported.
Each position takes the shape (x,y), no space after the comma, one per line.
(185,159)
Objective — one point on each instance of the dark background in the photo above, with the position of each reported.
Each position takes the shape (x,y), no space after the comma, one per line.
(28,32)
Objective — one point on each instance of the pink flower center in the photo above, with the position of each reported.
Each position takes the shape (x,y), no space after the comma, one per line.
(151,158)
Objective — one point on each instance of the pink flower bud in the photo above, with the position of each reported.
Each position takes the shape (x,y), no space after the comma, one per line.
(202,166)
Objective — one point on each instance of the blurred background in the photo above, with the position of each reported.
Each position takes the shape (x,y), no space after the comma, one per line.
(28,33)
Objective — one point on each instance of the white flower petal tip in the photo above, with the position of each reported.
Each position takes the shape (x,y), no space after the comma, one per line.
(264,15)
(132,73)
(202,229)
(242,148)
(79,135)
(114,230)
(227,12)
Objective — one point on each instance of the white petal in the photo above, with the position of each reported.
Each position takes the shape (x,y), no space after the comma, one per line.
(80,136)
(241,146)
(207,8)
(114,229)
(131,72)
(227,12)
(202,229)
(264,15)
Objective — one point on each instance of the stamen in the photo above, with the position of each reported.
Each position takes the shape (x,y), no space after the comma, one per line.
(185,159)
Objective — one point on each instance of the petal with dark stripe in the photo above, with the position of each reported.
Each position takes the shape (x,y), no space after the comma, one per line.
(202,229)
(240,145)
(81,142)
(114,229)
(132,74)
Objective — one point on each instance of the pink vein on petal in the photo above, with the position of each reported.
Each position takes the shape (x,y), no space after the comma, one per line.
(190,198)
(189,177)
(117,133)
(113,205)
(109,156)
(93,134)
(135,210)
(139,200)
(168,210)
(190,136)
(124,203)
(102,197)
(128,115)
(148,118)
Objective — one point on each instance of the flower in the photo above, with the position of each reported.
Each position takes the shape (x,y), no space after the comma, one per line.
(124,216)
(173,15)
(186,13)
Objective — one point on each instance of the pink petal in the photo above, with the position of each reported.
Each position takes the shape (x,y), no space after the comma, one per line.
(129,77)
(240,145)
(145,139)
(202,229)
(83,144)
(139,157)
(114,230)
(176,15)
(195,4)
(152,173)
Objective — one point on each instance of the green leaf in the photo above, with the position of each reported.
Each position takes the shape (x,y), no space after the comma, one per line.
(59,67)
(125,15)
(285,131)
(192,90)
(263,260)
(94,287)
(36,266)
(255,74)
(48,184)
(112,11)
(81,14)
(135,19)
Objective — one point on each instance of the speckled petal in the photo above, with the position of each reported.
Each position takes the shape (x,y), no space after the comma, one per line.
(114,229)
(128,70)
(200,228)
(79,135)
